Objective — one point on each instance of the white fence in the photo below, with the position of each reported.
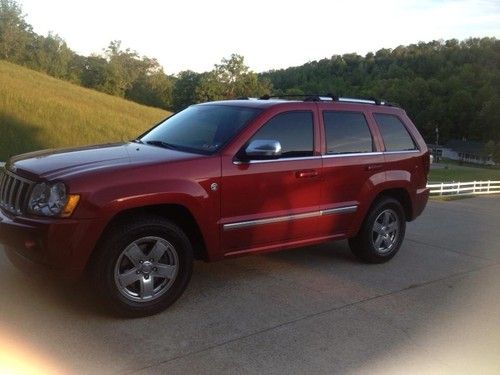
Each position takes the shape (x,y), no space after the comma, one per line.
(465,188)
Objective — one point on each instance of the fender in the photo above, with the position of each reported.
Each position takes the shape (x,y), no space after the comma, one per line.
(376,184)
(109,194)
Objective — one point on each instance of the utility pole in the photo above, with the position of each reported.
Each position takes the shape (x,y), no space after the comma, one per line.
(437,144)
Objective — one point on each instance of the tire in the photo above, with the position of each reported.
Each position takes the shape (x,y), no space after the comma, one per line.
(142,266)
(382,232)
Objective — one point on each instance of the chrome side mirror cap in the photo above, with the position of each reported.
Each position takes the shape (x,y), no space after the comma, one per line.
(263,149)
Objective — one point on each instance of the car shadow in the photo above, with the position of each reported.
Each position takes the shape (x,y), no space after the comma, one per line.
(17,137)
(78,297)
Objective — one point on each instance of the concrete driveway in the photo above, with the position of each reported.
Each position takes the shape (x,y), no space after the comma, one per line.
(434,308)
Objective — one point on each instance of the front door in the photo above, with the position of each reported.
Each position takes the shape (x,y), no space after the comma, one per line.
(266,203)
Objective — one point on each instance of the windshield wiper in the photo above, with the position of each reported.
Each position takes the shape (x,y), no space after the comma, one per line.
(162,144)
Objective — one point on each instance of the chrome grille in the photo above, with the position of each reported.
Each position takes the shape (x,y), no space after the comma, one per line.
(14,192)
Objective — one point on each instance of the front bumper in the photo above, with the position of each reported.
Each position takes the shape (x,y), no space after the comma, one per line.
(59,246)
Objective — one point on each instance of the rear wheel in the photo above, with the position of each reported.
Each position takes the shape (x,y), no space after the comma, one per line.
(382,232)
(142,266)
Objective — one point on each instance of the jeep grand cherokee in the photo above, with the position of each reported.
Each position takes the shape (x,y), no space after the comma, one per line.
(214,181)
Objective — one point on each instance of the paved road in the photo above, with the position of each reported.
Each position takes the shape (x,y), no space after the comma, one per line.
(434,308)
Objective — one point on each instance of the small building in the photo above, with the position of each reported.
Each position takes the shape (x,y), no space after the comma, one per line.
(462,150)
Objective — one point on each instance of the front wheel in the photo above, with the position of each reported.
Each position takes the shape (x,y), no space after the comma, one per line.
(382,232)
(142,266)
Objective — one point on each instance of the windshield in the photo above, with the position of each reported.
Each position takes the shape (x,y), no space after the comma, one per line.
(203,129)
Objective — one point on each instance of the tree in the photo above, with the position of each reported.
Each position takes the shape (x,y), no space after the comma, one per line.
(184,90)
(15,33)
(94,71)
(123,68)
(122,72)
(51,55)
(231,79)
(496,153)
(489,119)
(153,89)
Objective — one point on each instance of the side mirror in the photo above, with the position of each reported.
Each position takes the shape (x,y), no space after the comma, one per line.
(263,149)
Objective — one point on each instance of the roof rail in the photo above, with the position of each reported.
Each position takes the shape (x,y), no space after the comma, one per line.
(246,98)
(330,97)
(267,97)
(307,97)
(359,100)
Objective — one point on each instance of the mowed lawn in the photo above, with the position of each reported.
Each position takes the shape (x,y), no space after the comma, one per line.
(38,112)
(456,173)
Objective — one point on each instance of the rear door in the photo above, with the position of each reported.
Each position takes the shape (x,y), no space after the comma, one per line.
(352,164)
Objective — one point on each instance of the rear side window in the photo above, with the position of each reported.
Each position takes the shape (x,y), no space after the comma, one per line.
(346,133)
(394,133)
(294,130)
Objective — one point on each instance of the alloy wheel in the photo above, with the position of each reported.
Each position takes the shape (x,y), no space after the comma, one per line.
(385,231)
(146,269)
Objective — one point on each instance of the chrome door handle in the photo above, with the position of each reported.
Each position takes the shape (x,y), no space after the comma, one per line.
(373,167)
(306,174)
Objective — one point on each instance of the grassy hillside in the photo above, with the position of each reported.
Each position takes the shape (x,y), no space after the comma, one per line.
(38,111)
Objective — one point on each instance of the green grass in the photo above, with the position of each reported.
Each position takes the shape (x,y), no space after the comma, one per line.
(455,172)
(38,111)
(449,198)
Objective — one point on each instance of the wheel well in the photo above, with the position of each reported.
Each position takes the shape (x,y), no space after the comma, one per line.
(177,214)
(400,195)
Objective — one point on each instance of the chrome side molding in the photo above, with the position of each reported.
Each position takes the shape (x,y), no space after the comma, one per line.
(340,210)
(278,219)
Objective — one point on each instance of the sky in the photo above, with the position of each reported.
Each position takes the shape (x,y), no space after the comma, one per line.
(270,34)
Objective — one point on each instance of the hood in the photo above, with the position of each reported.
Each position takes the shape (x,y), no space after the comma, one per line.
(51,164)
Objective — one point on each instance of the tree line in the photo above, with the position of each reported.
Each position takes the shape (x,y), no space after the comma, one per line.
(450,85)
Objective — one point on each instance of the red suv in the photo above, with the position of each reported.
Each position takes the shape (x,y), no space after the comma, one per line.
(214,181)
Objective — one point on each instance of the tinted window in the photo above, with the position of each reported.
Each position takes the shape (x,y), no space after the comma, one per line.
(203,128)
(394,133)
(294,130)
(347,132)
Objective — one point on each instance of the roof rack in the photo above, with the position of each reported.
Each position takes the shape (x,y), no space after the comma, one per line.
(329,98)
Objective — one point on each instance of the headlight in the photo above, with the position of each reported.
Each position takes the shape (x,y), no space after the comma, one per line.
(51,200)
